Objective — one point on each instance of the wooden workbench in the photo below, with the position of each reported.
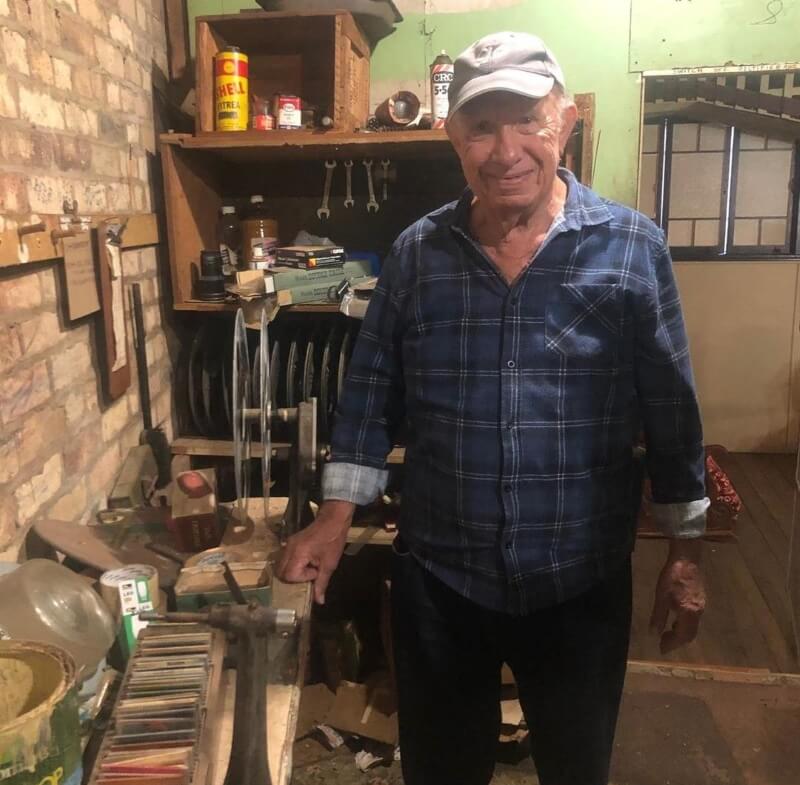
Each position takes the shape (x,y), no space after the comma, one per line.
(283,700)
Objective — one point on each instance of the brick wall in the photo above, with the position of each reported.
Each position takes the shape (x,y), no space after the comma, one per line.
(76,121)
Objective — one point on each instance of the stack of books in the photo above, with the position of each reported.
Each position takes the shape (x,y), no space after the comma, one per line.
(313,277)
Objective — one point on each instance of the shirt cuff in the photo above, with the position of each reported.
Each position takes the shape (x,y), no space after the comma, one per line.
(682,520)
(351,482)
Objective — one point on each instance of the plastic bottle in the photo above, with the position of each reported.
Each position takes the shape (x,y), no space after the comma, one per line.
(259,235)
(229,238)
(441,76)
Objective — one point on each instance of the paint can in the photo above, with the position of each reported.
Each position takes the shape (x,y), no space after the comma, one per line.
(231,89)
(39,726)
(441,76)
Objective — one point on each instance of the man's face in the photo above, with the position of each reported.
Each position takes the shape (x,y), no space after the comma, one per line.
(510,146)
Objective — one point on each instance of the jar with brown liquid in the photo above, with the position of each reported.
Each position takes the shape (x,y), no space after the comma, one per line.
(259,235)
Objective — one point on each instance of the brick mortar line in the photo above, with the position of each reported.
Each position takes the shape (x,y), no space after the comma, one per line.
(30,33)
(65,174)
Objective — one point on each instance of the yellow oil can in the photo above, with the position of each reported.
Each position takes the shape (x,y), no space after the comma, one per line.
(231,90)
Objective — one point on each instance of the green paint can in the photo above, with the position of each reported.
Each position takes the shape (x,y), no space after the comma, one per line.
(39,727)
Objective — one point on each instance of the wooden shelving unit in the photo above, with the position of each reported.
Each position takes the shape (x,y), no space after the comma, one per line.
(202,170)
(266,146)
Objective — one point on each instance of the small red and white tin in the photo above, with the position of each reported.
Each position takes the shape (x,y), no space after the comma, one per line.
(287,110)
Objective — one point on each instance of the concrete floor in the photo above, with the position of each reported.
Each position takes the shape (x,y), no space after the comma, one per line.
(315,765)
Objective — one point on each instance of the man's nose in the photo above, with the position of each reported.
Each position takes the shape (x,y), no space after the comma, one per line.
(506,145)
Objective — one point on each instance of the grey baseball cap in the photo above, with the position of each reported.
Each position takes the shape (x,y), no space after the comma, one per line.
(512,62)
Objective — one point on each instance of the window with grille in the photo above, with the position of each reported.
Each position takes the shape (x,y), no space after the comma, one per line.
(720,163)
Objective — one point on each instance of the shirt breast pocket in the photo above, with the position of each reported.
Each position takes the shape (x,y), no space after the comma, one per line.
(583,322)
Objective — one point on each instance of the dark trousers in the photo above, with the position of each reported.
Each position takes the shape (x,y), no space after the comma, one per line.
(568,661)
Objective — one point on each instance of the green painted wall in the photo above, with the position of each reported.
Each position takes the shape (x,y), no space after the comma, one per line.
(602,47)
(590,41)
(686,33)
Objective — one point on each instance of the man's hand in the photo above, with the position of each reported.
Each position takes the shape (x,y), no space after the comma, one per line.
(681,590)
(313,553)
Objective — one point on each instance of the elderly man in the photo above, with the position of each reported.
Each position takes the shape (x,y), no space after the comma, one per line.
(525,334)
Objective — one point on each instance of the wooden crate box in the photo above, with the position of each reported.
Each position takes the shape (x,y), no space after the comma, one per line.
(321,57)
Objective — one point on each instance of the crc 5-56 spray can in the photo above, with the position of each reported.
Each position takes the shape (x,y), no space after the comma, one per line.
(230,90)
(441,76)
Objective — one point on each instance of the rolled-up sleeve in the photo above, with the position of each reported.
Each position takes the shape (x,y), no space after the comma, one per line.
(372,403)
(668,404)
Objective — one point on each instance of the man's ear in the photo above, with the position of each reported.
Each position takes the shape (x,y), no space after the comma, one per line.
(569,116)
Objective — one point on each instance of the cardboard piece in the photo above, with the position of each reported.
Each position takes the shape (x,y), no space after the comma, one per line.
(316,701)
(80,275)
(511,712)
(366,711)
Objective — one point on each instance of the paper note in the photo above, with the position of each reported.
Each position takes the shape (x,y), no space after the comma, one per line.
(81,278)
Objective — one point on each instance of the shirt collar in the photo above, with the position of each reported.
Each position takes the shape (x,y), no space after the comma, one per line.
(583,206)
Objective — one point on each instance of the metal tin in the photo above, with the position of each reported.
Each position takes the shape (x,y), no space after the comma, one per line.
(441,76)
(288,112)
(231,90)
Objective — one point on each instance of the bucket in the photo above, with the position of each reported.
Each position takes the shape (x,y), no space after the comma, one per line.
(39,729)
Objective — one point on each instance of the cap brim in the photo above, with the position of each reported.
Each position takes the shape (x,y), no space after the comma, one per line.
(528,85)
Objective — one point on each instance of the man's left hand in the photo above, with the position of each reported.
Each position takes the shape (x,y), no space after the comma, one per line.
(680,590)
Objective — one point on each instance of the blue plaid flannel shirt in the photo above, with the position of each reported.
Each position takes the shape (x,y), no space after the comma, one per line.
(522,403)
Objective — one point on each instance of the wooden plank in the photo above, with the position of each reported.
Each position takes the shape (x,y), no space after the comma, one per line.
(232,307)
(177,23)
(756,511)
(369,535)
(115,373)
(272,145)
(738,628)
(193,198)
(776,494)
(783,465)
(699,112)
(40,246)
(688,670)
(190,445)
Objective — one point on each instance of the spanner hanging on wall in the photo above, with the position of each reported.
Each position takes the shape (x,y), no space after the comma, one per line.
(372,204)
(348,170)
(385,188)
(323,211)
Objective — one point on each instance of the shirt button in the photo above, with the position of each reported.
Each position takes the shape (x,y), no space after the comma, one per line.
(509,546)
(511,364)
(507,488)
(514,300)
(509,426)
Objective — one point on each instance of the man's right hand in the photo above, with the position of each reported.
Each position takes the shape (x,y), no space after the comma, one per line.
(313,553)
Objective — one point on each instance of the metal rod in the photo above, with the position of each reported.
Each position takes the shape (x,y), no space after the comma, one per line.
(664,174)
(729,191)
(141,357)
(233,586)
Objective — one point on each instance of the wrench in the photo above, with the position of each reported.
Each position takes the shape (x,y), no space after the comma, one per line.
(372,205)
(385,166)
(323,211)
(348,170)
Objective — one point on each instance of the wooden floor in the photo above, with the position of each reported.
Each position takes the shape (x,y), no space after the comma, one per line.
(747,622)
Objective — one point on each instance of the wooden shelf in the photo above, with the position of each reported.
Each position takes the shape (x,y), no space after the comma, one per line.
(312,145)
(231,307)
(223,448)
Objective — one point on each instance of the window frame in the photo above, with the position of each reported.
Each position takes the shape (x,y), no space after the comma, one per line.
(725,250)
